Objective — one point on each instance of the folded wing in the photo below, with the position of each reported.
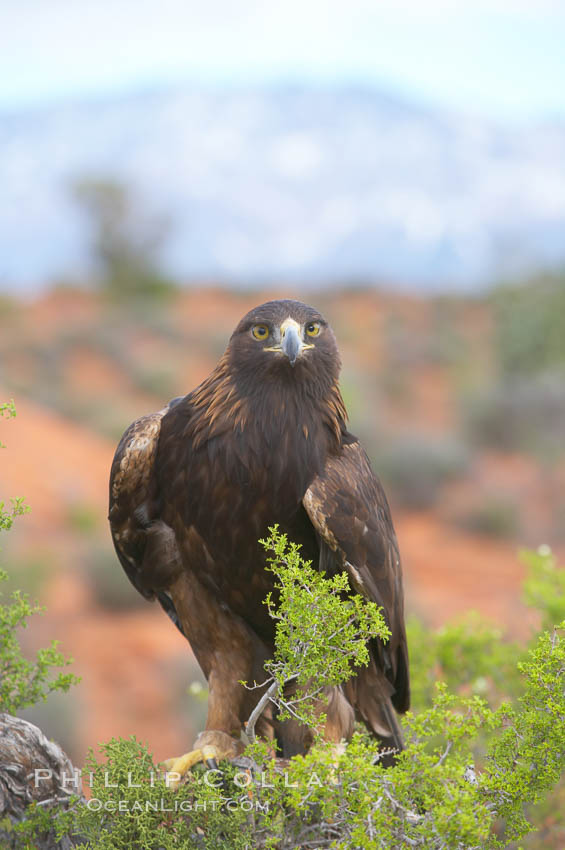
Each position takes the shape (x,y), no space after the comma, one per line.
(145,545)
(349,510)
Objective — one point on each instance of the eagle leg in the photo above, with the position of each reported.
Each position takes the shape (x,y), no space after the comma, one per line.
(229,653)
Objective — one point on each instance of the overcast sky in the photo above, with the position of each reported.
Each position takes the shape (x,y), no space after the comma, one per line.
(493,56)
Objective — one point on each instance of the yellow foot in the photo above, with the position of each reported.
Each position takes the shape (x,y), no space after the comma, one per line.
(210,747)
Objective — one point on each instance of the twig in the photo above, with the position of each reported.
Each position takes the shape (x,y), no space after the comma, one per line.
(444,754)
(411,817)
(258,710)
(47,802)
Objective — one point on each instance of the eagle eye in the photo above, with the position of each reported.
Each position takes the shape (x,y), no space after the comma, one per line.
(260,331)
(313,328)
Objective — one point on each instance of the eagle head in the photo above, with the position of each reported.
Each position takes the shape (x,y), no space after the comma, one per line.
(288,339)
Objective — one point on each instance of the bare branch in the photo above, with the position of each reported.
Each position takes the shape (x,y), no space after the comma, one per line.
(258,710)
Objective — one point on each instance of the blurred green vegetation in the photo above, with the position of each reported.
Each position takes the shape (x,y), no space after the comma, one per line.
(492,514)
(468,654)
(187,684)
(83,518)
(521,407)
(522,414)
(59,718)
(108,583)
(125,242)
(530,325)
(414,467)
(30,570)
(544,588)
(474,658)
(158,380)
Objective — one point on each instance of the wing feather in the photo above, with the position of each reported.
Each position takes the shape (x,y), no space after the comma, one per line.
(349,510)
(146,547)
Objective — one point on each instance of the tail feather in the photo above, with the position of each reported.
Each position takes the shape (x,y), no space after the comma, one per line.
(370,693)
(395,739)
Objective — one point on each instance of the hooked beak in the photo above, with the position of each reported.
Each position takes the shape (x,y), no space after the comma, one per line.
(291,344)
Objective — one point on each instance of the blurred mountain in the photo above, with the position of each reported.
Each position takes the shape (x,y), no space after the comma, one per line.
(291,184)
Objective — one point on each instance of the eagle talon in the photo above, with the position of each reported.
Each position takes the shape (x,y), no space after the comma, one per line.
(176,769)
(224,747)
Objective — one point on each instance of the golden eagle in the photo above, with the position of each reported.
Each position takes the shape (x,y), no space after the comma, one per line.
(262,440)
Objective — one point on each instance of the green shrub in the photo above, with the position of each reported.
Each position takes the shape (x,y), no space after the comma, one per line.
(470,773)
(314,658)
(23,682)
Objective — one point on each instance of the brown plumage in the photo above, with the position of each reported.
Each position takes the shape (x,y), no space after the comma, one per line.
(262,440)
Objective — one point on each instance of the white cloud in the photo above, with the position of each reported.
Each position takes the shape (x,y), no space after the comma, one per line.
(297,155)
(500,54)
